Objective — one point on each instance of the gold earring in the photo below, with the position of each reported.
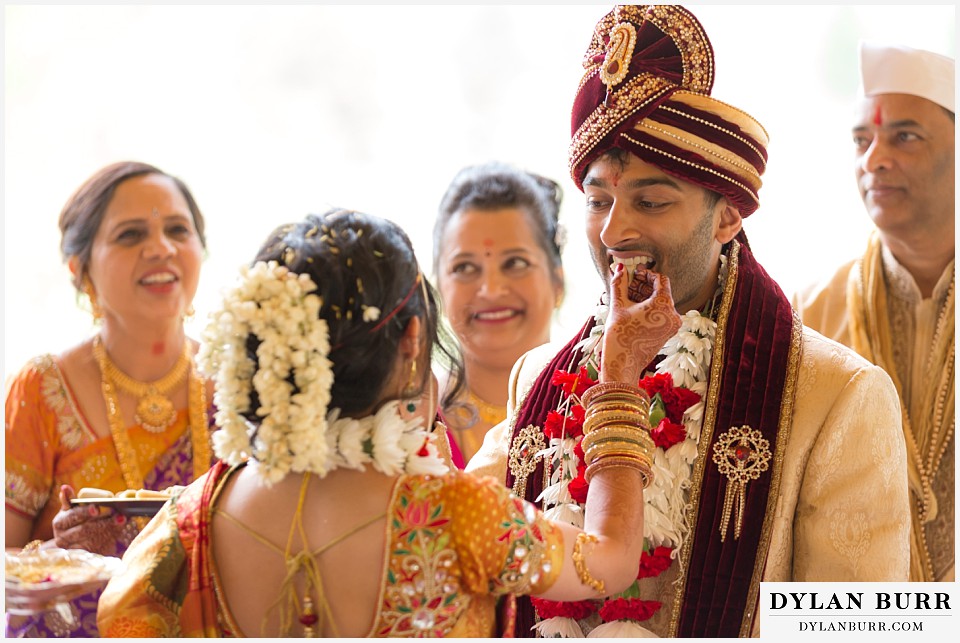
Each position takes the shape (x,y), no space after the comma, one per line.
(410,390)
(92,297)
(189,313)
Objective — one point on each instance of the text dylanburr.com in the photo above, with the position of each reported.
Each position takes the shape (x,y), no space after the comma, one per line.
(921,611)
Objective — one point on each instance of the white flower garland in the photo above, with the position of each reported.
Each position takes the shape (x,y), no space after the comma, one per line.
(297,433)
(687,360)
(687,357)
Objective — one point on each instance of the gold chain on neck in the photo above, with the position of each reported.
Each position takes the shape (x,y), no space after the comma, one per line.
(155,411)
(489,413)
(197,420)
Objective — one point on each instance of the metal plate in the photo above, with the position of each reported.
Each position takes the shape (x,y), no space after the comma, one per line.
(127,506)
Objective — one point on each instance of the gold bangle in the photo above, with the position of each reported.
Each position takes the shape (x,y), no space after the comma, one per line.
(606,390)
(626,406)
(630,462)
(608,446)
(613,453)
(616,448)
(594,422)
(615,432)
(580,563)
(630,397)
(638,432)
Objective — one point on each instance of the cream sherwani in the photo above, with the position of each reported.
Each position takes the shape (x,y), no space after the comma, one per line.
(843,511)
(913,324)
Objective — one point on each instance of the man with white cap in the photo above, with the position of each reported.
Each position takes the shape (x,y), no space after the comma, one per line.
(895,304)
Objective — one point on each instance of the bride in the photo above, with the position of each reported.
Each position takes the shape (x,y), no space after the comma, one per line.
(331,512)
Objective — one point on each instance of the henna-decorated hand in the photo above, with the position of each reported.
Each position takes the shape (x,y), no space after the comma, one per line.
(642,318)
(89,527)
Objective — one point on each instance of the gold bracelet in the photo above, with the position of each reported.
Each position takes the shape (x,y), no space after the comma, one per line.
(609,397)
(580,563)
(606,390)
(640,432)
(606,448)
(626,406)
(594,422)
(615,431)
(613,453)
(615,449)
(618,432)
(630,462)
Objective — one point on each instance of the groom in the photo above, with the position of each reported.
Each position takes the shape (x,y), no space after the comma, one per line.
(780,454)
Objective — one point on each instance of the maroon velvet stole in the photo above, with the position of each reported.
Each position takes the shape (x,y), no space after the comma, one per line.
(758,336)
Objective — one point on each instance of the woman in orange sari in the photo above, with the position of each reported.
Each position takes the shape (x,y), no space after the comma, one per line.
(125,409)
(331,512)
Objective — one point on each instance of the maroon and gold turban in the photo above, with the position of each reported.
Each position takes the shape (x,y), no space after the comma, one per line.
(646,90)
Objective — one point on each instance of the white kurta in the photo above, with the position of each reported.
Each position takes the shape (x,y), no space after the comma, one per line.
(913,321)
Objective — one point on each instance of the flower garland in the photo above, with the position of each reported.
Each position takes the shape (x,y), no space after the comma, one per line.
(676,391)
(298,432)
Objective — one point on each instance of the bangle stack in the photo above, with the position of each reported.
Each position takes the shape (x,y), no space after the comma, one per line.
(616,431)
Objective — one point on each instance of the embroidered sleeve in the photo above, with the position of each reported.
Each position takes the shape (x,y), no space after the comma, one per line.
(30,439)
(505,545)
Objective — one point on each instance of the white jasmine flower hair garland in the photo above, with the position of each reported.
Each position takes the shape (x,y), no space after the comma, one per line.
(298,432)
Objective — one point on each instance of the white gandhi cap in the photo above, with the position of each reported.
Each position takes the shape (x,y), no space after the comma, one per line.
(895,69)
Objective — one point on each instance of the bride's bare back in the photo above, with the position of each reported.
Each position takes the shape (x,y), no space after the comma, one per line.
(251,573)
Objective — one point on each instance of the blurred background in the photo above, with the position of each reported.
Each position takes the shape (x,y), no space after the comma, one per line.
(271,112)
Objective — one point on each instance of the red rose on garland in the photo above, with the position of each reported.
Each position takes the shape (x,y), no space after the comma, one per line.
(678,400)
(674,400)
(668,433)
(578,486)
(572,609)
(657,383)
(633,609)
(554,426)
(653,563)
(573,383)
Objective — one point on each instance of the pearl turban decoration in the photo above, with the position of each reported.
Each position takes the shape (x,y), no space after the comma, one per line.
(649,70)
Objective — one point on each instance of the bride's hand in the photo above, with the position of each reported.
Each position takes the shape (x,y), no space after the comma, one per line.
(642,318)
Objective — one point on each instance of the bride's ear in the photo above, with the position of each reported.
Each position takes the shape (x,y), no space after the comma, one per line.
(410,340)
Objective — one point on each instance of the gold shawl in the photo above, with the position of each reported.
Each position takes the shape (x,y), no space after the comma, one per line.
(926,436)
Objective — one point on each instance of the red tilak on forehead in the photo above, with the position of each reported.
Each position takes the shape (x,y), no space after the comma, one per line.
(877,117)
(488,243)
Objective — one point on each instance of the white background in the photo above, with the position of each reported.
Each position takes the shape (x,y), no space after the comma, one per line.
(269,113)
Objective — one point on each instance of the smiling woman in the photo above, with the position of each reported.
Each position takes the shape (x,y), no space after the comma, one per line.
(498,268)
(133,238)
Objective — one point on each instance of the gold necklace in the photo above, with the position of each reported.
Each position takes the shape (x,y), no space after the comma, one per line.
(155,411)
(197,420)
(489,413)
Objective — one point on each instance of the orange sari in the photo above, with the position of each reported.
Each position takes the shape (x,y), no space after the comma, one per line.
(48,443)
